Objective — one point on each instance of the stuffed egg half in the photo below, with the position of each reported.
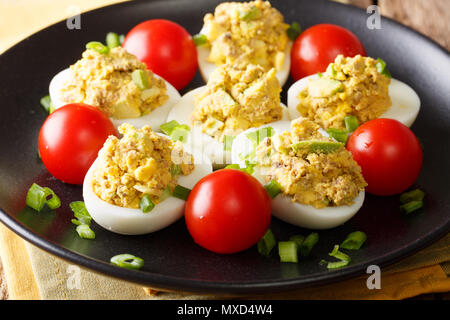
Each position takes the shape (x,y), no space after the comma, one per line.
(119,85)
(237,97)
(319,185)
(249,33)
(138,184)
(358,86)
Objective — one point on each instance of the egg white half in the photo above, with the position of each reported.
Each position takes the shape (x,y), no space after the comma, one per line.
(206,67)
(130,221)
(405,101)
(154,119)
(302,215)
(214,149)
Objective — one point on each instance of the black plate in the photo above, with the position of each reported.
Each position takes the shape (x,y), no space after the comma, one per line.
(172,260)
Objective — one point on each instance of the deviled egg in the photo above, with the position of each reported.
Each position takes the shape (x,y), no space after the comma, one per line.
(117,83)
(315,180)
(250,33)
(358,86)
(139,183)
(237,97)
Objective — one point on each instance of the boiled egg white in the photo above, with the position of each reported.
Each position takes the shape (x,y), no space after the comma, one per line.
(206,67)
(302,215)
(154,119)
(214,149)
(405,101)
(129,221)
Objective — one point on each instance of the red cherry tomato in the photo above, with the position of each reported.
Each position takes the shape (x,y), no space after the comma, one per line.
(389,154)
(227,211)
(70,139)
(167,49)
(319,45)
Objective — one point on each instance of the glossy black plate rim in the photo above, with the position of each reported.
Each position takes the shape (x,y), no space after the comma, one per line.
(230,288)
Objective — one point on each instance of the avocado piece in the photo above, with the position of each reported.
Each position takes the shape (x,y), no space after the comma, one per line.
(312,146)
(324,87)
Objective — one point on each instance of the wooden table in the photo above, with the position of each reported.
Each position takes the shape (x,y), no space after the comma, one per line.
(430,17)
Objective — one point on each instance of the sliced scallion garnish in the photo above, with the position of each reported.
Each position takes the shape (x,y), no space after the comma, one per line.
(181,192)
(140,78)
(414,195)
(351,123)
(273,188)
(85,232)
(338,134)
(146,204)
(288,251)
(253,13)
(80,212)
(127,261)
(168,127)
(354,240)
(180,133)
(38,197)
(312,146)
(294,30)
(381,68)
(344,259)
(46,103)
(298,239)
(112,40)
(266,243)
(97,46)
(411,206)
(259,135)
(200,39)
(307,244)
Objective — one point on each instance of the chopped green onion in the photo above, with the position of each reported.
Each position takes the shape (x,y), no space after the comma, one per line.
(140,78)
(166,194)
(266,243)
(37,198)
(146,204)
(354,240)
(180,133)
(307,244)
(200,39)
(80,212)
(249,167)
(319,74)
(181,192)
(112,40)
(259,135)
(273,188)
(344,259)
(175,170)
(168,127)
(85,232)
(233,166)
(411,206)
(46,103)
(287,251)
(317,146)
(351,123)
(338,254)
(127,261)
(294,31)
(298,239)
(332,69)
(228,142)
(414,195)
(253,13)
(97,46)
(338,134)
(381,68)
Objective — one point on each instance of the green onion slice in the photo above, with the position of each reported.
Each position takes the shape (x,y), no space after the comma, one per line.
(80,213)
(351,123)
(298,239)
(354,240)
(85,232)
(273,188)
(332,69)
(308,244)
(168,127)
(294,30)
(200,39)
(46,103)
(288,251)
(344,259)
(312,146)
(228,142)
(175,169)
(97,46)
(140,78)
(338,134)
(181,192)
(38,197)
(112,40)
(414,195)
(259,135)
(233,166)
(146,204)
(180,133)
(381,68)
(411,206)
(127,261)
(253,13)
(266,243)
(338,254)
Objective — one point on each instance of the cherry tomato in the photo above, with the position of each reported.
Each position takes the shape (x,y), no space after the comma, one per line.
(167,49)
(70,139)
(227,211)
(319,45)
(389,154)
